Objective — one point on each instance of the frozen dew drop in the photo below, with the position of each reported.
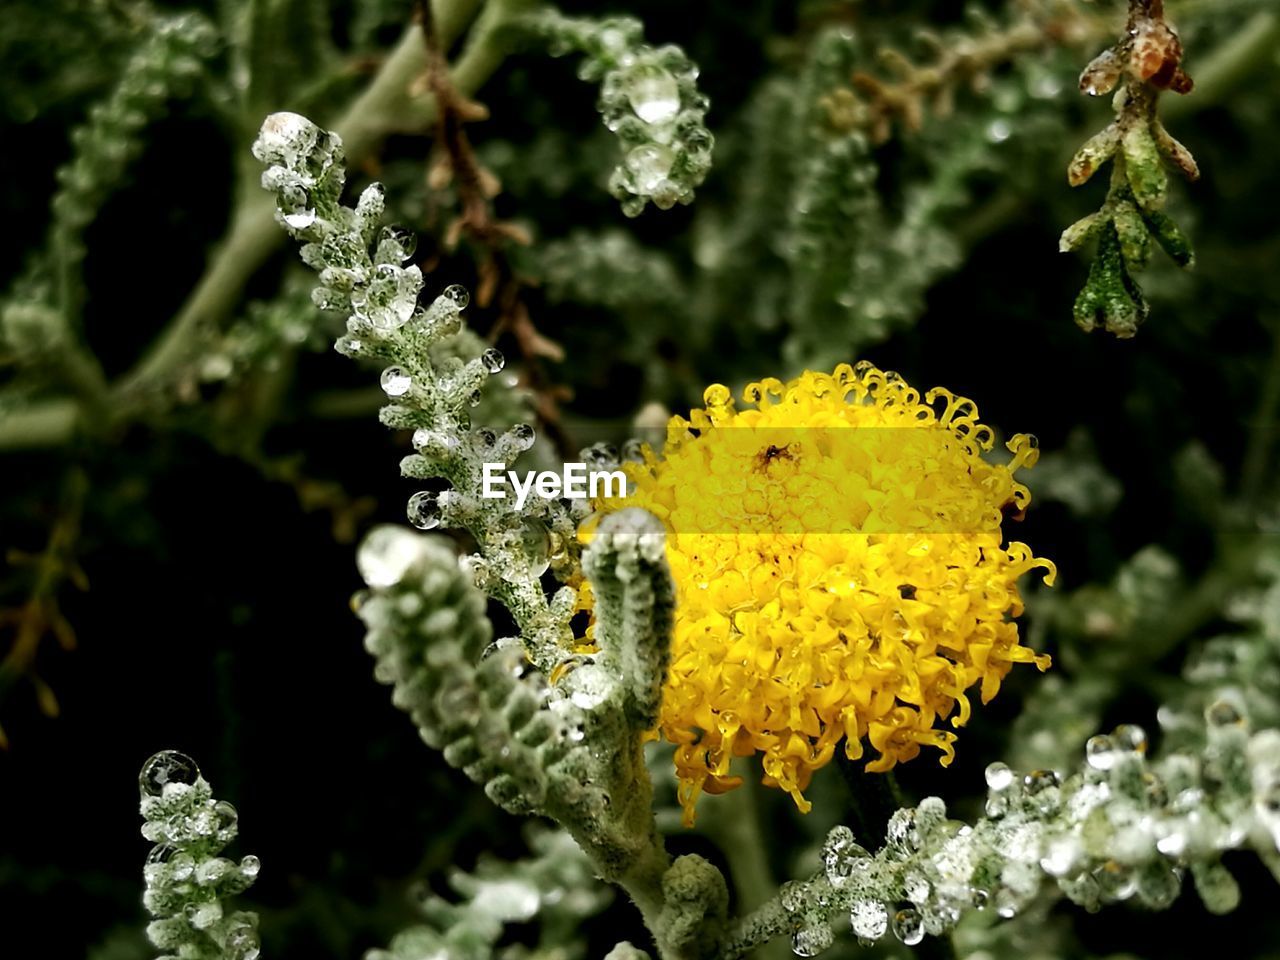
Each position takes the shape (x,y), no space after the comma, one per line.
(535,543)
(227,817)
(869,919)
(841,856)
(908,926)
(999,131)
(493,360)
(423,510)
(1100,752)
(457,294)
(386,554)
(160,853)
(1222,713)
(165,768)
(1131,737)
(650,163)
(999,776)
(653,93)
(395,244)
(250,865)
(523,435)
(396,382)
(811,941)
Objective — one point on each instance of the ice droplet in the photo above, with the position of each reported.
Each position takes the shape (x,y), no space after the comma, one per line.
(522,436)
(908,926)
(250,865)
(811,941)
(999,776)
(386,554)
(396,382)
(423,510)
(493,360)
(165,768)
(653,92)
(869,919)
(650,163)
(457,294)
(841,856)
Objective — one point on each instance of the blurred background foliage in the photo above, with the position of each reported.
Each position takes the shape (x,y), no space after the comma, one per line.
(179,533)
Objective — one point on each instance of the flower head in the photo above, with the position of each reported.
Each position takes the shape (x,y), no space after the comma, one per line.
(840,570)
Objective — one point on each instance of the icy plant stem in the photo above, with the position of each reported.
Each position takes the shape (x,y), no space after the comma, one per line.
(385,107)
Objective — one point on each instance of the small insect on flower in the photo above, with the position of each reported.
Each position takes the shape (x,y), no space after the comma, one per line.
(841,574)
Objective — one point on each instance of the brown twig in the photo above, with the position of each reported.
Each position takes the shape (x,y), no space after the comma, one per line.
(39,616)
(916,90)
(499,285)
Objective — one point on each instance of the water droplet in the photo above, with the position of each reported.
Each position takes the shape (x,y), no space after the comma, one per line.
(650,163)
(522,436)
(811,941)
(396,382)
(165,768)
(395,244)
(999,776)
(227,819)
(423,510)
(908,926)
(1222,713)
(841,856)
(1131,737)
(160,853)
(493,360)
(869,919)
(999,131)
(535,545)
(653,93)
(386,554)
(1100,752)
(250,865)
(388,300)
(457,294)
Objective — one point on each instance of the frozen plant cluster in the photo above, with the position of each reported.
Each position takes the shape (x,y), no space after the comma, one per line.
(649,99)
(1121,828)
(187,882)
(434,375)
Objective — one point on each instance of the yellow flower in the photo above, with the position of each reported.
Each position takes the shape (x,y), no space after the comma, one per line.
(840,574)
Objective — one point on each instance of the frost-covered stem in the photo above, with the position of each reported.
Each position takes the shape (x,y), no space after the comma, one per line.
(386,106)
(635,605)
(756,929)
